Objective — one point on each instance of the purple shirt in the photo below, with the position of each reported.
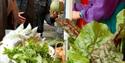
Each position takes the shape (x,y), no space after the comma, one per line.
(97,9)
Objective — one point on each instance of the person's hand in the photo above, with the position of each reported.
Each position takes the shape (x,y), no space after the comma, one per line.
(54,14)
(75,15)
(21,18)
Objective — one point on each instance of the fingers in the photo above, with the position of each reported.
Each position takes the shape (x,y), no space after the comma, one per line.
(21,18)
(54,14)
(21,12)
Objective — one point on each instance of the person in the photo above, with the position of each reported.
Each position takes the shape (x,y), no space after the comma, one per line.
(104,11)
(8,16)
(99,10)
(2,18)
(34,12)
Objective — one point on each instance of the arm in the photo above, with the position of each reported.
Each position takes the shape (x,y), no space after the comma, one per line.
(100,9)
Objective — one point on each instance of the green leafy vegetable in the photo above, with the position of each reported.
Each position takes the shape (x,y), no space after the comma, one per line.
(107,53)
(30,52)
(120,18)
(91,38)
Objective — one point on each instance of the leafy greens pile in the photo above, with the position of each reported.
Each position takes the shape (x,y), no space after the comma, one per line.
(30,52)
(89,46)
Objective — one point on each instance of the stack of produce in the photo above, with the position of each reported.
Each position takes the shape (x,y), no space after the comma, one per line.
(95,44)
(30,52)
(25,46)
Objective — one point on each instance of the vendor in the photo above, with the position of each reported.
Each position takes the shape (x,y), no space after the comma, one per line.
(99,10)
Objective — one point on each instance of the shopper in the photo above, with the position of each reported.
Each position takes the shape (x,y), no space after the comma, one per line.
(99,10)
(35,12)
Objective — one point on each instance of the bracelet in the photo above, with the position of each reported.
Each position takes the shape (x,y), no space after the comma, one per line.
(81,14)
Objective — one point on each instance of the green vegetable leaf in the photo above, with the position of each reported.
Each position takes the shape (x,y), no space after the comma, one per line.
(92,36)
(120,18)
(30,52)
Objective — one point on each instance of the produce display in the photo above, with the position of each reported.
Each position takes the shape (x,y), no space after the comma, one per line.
(95,44)
(30,52)
(25,46)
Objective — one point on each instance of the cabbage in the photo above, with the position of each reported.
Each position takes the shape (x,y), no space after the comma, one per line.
(57,6)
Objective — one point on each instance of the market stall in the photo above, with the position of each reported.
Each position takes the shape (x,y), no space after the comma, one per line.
(93,43)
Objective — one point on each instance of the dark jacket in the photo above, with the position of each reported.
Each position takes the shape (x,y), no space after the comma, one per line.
(33,7)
